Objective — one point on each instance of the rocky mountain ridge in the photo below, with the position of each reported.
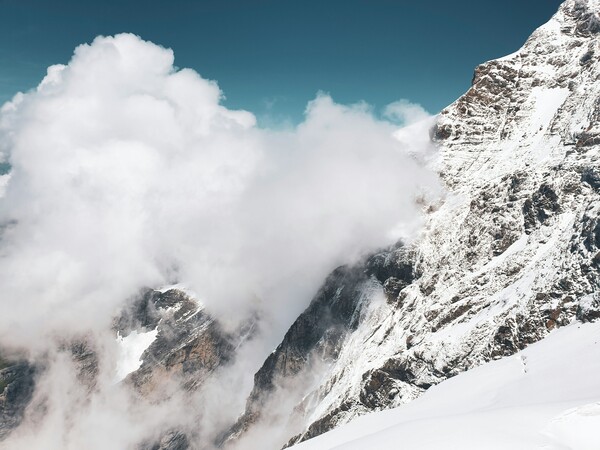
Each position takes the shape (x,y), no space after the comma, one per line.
(511,253)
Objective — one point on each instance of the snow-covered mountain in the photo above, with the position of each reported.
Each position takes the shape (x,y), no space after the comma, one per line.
(510,254)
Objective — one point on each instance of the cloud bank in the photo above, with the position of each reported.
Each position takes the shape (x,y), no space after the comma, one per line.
(128,173)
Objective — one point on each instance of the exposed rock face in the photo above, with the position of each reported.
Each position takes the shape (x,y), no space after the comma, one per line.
(189,345)
(188,349)
(316,334)
(17,381)
(171,440)
(320,331)
(85,361)
(512,253)
(589,308)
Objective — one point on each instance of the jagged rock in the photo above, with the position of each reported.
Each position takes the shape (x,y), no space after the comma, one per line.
(502,260)
(393,268)
(322,425)
(319,329)
(85,359)
(189,345)
(392,287)
(17,382)
(542,204)
(390,381)
(170,440)
(588,22)
(591,176)
(498,266)
(396,263)
(589,308)
(591,233)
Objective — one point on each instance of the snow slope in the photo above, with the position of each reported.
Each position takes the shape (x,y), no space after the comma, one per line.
(545,397)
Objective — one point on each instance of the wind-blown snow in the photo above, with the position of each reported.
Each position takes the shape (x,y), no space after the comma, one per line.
(545,397)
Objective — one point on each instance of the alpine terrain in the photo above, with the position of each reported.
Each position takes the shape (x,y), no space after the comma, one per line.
(511,254)
(508,256)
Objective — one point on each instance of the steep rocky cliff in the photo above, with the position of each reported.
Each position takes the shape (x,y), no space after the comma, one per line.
(185,349)
(16,389)
(511,253)
(189,344)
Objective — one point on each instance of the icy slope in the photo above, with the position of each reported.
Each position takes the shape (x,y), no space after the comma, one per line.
(545,397)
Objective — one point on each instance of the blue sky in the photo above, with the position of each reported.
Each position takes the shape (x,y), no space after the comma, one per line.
(271,57)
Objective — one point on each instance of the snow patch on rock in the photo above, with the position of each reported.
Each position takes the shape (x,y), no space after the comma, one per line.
(131,349)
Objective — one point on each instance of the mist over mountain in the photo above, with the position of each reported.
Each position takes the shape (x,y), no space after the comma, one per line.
(176,277)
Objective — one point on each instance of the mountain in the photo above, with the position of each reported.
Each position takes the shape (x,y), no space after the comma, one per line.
(510,254)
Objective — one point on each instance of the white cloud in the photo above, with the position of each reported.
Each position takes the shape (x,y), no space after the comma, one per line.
(127,173)
(405,113)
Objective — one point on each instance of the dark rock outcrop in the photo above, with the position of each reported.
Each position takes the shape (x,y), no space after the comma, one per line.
(588,309)
(542,204)
(320,328)
(17,383)
(189,345)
